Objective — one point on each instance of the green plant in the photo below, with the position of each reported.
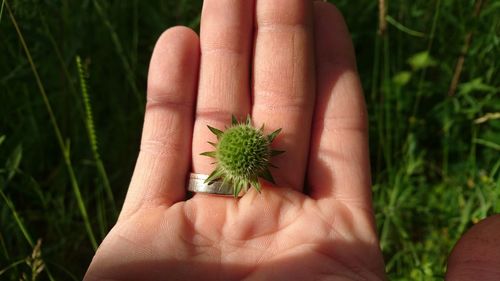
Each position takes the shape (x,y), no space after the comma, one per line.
(433,153)
(243,155)
(35,263)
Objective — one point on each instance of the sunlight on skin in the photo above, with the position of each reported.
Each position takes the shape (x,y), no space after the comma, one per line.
(275,235)
(282,233)
(296,70)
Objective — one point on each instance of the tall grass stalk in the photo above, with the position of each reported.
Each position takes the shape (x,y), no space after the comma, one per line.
(17,219)
(1,10)
(121,53)
(11,266)
(24,231)
(63,147)
(432,34)
(434,165)
(403,28)
(89,122)
(59,56)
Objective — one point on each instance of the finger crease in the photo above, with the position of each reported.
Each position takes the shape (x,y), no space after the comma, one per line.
(165,101)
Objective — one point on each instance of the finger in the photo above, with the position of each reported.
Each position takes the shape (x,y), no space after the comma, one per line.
(477,254)
(226,34)
(339,161)
(284,82)
(163,162)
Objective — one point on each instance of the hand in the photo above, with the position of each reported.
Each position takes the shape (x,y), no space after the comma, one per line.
(287,73)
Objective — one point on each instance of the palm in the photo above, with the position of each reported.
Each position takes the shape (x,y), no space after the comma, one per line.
(276,235)
(317,223)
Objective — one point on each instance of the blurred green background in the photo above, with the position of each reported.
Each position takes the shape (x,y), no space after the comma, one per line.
(430,70)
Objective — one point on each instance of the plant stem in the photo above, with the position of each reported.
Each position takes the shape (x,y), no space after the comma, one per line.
(382,11)
(89,122)
(62,145)
(119,48)
(461,58)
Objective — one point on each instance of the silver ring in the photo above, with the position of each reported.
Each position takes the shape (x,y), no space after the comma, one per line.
(197,184)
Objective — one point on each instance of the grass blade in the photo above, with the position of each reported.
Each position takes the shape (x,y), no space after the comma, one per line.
(60,141)
(121,53)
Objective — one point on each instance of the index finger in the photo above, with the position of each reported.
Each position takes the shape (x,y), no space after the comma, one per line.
(163,162)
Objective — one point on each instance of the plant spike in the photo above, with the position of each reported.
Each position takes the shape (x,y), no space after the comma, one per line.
(267,176)
(215,175)
(234,121)
(277,152)
(217,132)
(273,135)
(273,166)
(256,184)
(208,154)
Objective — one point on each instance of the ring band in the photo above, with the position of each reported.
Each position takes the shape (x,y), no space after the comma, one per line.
(197,184)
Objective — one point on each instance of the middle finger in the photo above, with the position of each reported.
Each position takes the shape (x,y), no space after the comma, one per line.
(284,88)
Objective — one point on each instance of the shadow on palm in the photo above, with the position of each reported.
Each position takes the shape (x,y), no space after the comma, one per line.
(276,235)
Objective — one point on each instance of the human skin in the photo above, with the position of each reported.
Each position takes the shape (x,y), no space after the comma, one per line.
(476,255)
(289,64)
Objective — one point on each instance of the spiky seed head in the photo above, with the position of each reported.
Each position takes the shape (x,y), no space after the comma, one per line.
(242,155)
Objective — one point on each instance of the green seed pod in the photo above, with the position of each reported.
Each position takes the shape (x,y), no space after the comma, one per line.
(242,155)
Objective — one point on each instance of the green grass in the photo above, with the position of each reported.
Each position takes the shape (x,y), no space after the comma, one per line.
(71,108)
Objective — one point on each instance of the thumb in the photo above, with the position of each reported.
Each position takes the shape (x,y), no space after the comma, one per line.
(476,256)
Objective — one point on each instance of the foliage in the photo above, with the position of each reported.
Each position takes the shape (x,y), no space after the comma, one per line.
(434,139)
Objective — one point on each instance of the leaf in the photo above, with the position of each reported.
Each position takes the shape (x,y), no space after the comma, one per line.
(277,152)
(208,154)
(212,143)
(273,135)
(475,85)
(490,144)
(216,132)
(267,176)
(234,121)
(12,163)
(2,138)
(401,78)
(421,60)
